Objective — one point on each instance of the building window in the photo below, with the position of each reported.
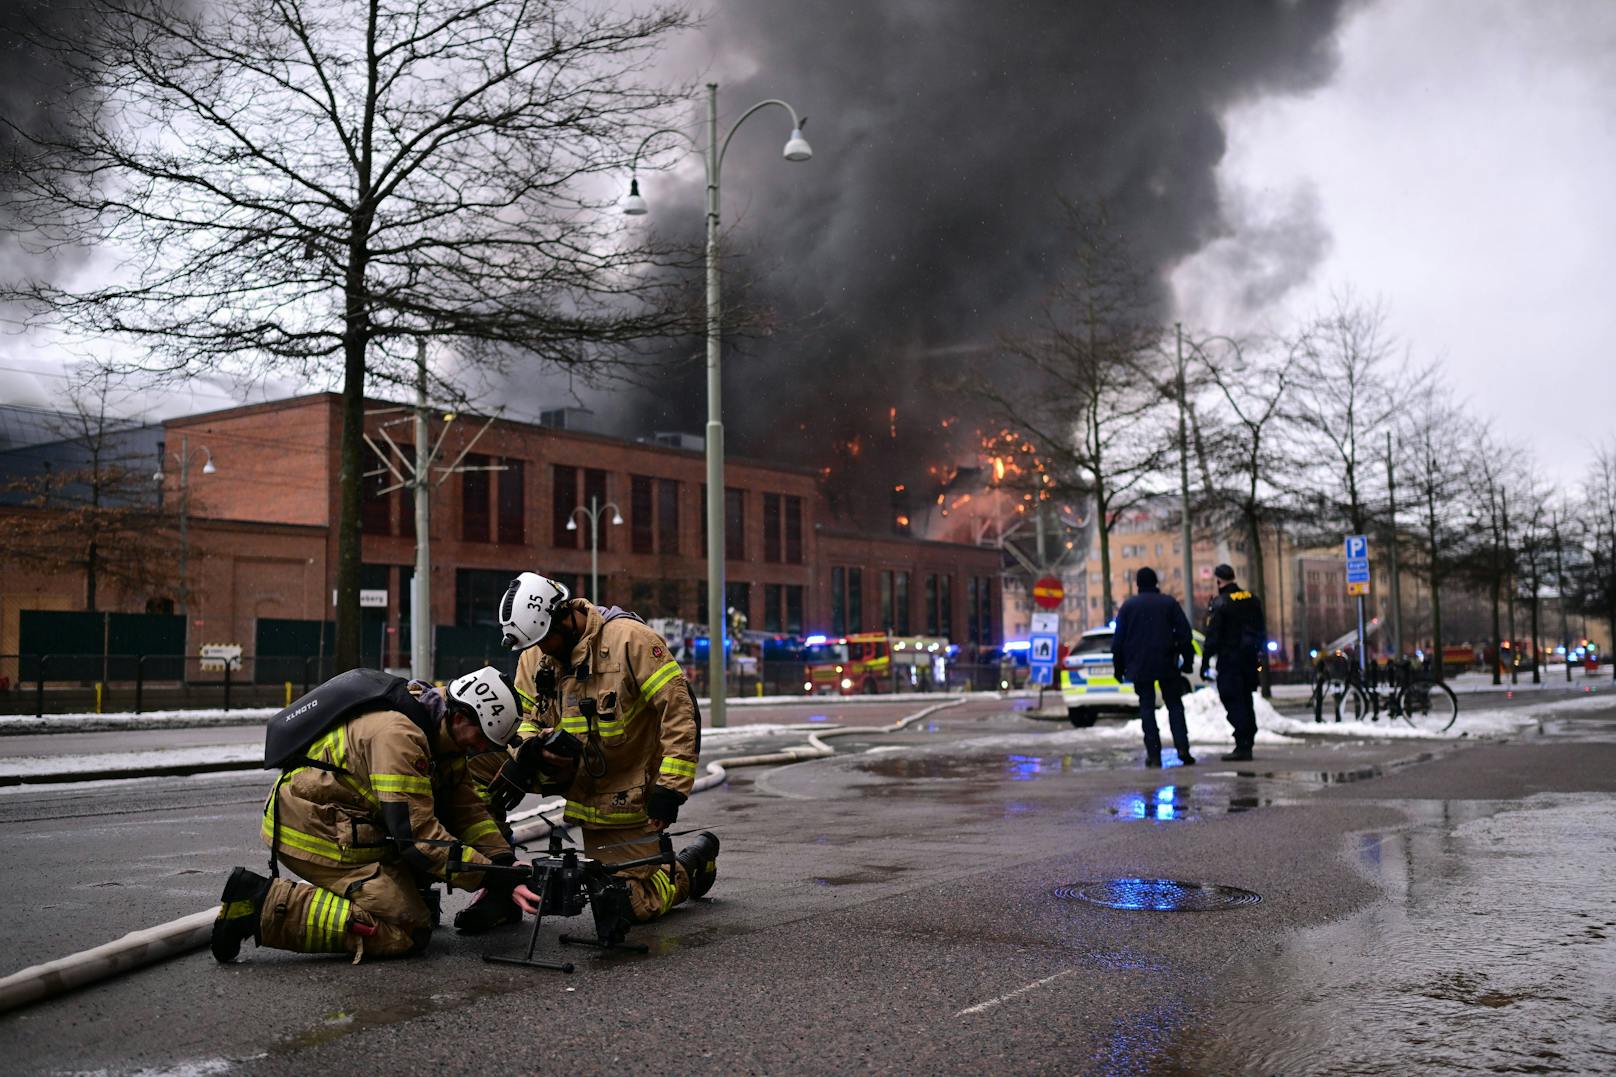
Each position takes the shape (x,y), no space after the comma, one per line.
(668,518)
(838,600)
(376,508)
(886,600)
(794,608)
(900,603)
(945,605)
(406,512)
(595,497)
(475,508)
(771,528)
(477,595)
(734,524)
(642,528)
(973,614)
(793,510)
(855,600)
(931,604)
(563,499)
(738,597)
(513,503)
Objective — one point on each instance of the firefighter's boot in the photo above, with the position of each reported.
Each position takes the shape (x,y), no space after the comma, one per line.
(432,898)
(700,859)
(240,907)
(488,910)
(614,911)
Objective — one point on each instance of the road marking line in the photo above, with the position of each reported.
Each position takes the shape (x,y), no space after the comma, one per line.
(990,1003)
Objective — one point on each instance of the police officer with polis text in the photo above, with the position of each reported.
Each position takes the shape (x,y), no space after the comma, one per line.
(1236,633)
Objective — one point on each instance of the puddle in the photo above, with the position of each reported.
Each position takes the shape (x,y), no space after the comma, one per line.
(867,873)
(1015,767)
(1495,951)
(1315,777)
(1166,803)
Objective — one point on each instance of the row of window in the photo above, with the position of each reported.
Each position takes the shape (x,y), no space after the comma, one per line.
(847,607)
(493,508)
(478,591)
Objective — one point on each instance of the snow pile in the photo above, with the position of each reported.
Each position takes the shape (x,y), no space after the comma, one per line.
(94,723)
(26,766)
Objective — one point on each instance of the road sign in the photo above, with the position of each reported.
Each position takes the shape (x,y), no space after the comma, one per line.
(1048,593)
(1360,587)
(1041,659)
(1357,562)
(1046,624)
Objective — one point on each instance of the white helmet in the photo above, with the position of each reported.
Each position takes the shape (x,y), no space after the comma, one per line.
(492,698)
(528,609)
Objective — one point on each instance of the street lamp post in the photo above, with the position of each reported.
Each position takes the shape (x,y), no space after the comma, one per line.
(593,513)
(183,458)
(796,149)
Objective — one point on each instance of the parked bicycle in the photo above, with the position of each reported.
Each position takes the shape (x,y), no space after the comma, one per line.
(1329,682)
(1400,690)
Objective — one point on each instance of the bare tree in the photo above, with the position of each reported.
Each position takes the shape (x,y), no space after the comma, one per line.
(1599,510)
(1346,392)
(87,503)
(1431,430)
(313,186)
(1079,394)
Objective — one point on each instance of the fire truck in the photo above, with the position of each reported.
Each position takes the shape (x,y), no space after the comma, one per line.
(866,663)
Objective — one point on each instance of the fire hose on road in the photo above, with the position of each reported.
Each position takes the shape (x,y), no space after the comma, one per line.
(188,933)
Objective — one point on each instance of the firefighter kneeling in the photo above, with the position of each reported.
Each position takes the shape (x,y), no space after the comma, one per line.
(615,729)
(373,799)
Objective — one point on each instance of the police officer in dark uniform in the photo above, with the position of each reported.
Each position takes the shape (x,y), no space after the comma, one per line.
(1236,633)
(1153,645)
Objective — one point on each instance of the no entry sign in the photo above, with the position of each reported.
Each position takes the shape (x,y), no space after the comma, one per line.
(1048,593)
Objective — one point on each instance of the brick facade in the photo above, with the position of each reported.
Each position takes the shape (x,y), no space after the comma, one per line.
(277,468)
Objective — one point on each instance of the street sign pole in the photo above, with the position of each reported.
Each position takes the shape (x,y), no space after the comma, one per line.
(1357,550)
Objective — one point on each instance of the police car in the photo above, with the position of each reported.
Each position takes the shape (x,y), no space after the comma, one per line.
(1089,682)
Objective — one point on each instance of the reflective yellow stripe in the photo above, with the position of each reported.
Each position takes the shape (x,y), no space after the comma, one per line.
(680,767)
(326,926)
(401,783)
(659,680)
(310,843)
(529,727)
(582,813)
(665,889)
(236,910)
(607,727)
(479,830)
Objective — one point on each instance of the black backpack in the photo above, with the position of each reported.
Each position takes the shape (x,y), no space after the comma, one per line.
(289,733)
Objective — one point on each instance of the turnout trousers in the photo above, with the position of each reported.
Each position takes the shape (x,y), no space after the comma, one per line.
(651,891)
(313,917)
(1173,697)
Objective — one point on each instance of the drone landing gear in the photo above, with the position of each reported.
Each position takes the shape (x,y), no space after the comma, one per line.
(541,878)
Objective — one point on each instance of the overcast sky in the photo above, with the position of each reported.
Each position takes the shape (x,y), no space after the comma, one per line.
(1453,158)
(1462,162)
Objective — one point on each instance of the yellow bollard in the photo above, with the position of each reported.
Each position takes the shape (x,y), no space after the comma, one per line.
(760,689)
(288,693)
(98,697)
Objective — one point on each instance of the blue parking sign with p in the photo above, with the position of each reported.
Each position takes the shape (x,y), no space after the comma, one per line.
(1357,558)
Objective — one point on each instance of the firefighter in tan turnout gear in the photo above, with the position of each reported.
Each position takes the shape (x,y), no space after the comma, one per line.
(373,805)
(606,678)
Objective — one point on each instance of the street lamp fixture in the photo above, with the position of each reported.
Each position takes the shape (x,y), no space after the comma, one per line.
(183,458)
(593,513)
(634,205)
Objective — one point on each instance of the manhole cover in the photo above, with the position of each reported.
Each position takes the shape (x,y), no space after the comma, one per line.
(1163,895)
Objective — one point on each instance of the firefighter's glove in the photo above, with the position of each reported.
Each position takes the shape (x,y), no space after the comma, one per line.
(1205,666)
(517,777)
(663,804)
(500,883)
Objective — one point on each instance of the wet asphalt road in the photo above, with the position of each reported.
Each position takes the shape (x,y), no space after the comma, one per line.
(894,909)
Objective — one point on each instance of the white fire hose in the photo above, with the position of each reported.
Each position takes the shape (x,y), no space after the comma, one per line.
(176,937)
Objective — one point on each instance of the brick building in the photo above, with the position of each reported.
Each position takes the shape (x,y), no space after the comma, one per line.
(262,539)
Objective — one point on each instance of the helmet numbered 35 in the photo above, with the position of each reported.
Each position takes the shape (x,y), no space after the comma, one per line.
(528,610)
(491,697)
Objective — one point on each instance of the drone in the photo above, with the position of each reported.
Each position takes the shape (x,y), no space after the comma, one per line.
(567,883)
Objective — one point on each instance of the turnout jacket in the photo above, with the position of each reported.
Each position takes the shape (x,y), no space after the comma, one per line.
(646,720)
(386,778)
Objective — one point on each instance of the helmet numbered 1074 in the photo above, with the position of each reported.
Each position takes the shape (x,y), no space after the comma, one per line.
(528,610)
(491,698)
